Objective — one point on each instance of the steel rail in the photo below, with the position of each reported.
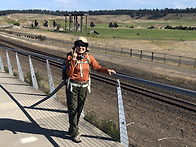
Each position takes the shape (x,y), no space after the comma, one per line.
(34,54)
(179,90)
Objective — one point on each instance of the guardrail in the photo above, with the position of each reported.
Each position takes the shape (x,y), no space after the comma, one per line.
(122,122)
(137,80)
(53,90)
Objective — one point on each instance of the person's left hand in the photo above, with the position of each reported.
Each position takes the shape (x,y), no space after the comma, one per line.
(110,71)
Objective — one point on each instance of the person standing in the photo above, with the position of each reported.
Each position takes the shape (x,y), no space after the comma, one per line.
(78,66)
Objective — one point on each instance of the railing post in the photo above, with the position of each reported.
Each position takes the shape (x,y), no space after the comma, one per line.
(1,64)
(122,121)
(179,62)
(33,77)
(9,64)
(50,80)
(19,68)
(165,58)
(152,56)
(141,54)
(131,52)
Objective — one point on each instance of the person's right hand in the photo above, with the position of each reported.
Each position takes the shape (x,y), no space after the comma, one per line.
(74,54)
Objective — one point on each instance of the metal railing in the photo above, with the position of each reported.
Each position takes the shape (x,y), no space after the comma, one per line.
(137,80)
(53,90)
(122,122)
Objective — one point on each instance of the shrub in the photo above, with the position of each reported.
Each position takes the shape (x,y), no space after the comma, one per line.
(17,24)
(6,69)
(42,38)
(106,125)
(28,78)
(151,27)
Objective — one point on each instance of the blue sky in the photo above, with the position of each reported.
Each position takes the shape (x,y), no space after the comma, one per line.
(86,5)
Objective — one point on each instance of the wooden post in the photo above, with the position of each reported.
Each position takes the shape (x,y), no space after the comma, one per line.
(179,62)
(152,56)
(165,58)
(141,54)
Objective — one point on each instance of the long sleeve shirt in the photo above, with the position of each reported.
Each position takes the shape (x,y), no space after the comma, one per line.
(78,70)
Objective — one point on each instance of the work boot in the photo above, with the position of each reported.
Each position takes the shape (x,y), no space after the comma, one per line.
(77,139)
(69,132)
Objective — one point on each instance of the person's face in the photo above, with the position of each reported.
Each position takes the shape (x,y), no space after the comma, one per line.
(80,47)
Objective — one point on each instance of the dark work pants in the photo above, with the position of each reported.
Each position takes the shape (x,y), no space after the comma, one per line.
(75,104)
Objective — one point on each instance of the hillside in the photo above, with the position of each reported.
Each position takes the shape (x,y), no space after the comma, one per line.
(183,48)
(26,19)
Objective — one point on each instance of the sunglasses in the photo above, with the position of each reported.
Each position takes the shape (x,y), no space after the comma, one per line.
(81,44)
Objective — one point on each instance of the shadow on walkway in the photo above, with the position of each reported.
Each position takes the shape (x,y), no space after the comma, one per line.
(27,127)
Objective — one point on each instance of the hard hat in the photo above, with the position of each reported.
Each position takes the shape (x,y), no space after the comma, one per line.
(84,40)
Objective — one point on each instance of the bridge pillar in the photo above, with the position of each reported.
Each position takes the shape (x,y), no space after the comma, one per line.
(70,22)
(81,23)
(86,22)
(73,22)
(65,22)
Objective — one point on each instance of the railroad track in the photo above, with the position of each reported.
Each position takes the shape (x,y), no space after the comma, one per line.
(139,90)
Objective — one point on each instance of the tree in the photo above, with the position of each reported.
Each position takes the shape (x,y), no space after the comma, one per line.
(17,24)
(110,25)
(54,23)
(36,23)
(115,25)
(168,27)
(92,25)
(45,23)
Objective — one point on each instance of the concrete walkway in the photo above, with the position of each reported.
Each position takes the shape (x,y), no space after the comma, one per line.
(26,122)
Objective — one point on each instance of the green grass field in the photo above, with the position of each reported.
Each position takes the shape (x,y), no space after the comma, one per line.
(159,34)
(140,30)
